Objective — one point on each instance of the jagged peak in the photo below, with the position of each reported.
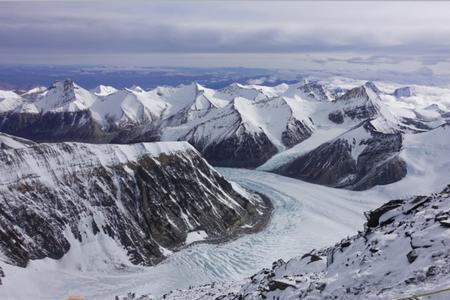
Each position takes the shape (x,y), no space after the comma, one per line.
(198,87)
(313,89)
(65,84)
(371,85)
(366,92)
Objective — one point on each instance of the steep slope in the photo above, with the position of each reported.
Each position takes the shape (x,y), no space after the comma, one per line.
(141,200)
(58,113)
(63,96)
(358,159)
(9,100)
(245,132)
(12,142)
(128,108)
(358,156)
(191,102)
(314,90)
(403,251)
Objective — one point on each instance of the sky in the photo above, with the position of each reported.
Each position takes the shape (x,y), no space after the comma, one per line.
(397,36)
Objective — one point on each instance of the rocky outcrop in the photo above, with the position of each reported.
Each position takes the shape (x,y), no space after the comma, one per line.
(240,150)
(401,253)
(76,126)
(336,116)
(147,198)
(314,90)
(360,102)
(295,133)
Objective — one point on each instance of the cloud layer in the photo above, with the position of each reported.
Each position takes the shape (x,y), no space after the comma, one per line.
(366,33)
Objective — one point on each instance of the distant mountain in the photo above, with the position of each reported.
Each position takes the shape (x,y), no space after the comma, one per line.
(244,125)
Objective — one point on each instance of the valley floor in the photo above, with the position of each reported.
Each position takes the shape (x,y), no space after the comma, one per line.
(305,216)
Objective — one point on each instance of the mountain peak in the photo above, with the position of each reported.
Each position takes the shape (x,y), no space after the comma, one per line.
(103,90)
(313,89)
(368,91)
(372,86)
(64,90)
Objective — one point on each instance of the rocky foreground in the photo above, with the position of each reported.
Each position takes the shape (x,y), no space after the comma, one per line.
(404,250)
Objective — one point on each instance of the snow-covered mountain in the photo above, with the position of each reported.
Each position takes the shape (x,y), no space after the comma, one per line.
(403,251)
(244,125)
(360,158)
(114,204)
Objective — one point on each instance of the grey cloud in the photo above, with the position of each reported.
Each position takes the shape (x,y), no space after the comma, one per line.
(377,32)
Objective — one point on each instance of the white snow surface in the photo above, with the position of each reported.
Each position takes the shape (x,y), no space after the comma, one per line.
(61,161)
(196,236)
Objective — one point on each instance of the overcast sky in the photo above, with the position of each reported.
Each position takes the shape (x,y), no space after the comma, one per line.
(407,36)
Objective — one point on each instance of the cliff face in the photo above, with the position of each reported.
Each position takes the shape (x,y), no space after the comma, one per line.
(149,198)
(359,159)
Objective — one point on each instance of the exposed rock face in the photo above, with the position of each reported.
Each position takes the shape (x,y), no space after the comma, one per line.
(360,102)
(314,90)
(54,127)
(402,252)
(327,164)
(379,163)
(295,133)
(336,117)
(350,163)
(146,197)
(240,150)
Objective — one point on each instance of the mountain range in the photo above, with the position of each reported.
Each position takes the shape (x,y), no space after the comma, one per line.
(112,179)
(356,127)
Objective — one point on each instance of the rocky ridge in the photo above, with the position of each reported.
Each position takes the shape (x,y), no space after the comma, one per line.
(402,251)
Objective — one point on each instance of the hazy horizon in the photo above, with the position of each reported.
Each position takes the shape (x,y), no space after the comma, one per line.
(301,35)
